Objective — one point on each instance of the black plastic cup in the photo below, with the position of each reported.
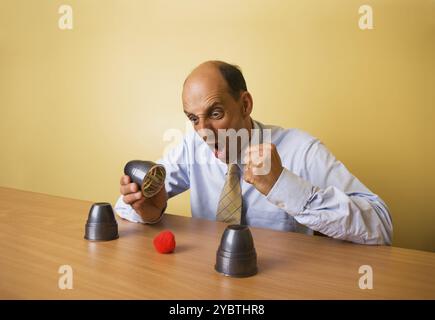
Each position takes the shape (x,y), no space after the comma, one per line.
(101,224)
(236,255)
(148,175)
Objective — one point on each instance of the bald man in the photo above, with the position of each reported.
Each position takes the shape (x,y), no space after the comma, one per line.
(281,179)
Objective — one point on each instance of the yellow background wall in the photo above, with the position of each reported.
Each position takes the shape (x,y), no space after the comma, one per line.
(76,105)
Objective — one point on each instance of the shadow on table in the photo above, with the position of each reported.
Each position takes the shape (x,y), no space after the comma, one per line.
(265,264)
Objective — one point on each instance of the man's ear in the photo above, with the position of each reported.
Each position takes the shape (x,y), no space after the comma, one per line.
(247,103)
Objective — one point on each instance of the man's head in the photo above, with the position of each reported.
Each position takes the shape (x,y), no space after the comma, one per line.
(215,97)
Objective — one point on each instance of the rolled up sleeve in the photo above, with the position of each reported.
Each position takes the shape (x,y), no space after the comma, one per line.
(332,201)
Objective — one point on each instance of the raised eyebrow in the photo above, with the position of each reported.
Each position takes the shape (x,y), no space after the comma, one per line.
(213,105)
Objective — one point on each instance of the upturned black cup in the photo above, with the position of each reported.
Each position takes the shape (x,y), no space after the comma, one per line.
(236,255)
(101,224)
(148,175)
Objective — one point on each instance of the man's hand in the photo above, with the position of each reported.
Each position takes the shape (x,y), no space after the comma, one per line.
(149,209)
(262,166)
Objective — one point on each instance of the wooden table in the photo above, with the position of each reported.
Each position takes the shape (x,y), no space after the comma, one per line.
(39,233)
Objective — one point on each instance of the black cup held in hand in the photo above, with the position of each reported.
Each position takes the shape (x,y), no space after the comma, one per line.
(101,224)
(236,256)
(148,175)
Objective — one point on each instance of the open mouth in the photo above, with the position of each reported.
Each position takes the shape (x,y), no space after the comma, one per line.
(217,150)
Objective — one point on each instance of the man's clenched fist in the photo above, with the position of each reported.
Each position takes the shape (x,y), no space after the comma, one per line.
(262,166)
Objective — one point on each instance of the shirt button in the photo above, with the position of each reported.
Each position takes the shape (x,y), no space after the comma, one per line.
(281,205)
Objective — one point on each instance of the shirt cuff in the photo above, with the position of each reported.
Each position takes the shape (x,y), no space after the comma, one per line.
(290,192)
(127,212)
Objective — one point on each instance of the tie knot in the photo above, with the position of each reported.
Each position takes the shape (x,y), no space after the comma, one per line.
(233,169)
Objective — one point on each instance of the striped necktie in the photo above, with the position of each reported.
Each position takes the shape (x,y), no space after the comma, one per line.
(230,202)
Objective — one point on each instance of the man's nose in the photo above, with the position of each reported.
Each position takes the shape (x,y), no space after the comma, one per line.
(205,129)
(203,123)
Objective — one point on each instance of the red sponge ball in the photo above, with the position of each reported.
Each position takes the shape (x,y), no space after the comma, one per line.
(164,242)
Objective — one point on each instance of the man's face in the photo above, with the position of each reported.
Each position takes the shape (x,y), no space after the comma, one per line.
(209,105)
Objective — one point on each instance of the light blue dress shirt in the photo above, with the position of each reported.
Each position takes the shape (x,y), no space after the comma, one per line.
(315,191)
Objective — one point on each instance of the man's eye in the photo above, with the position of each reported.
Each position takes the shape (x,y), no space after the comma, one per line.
(216,114)
(193,119)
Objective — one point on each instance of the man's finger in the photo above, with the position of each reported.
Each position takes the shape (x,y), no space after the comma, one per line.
(259,147)
(246,159)
(247,175)
(259,151)
(254,159)
(132,197)
(125,180)
(129,188)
